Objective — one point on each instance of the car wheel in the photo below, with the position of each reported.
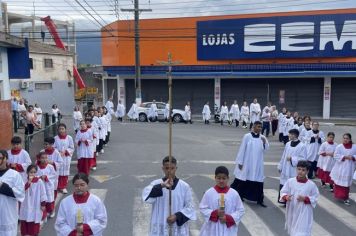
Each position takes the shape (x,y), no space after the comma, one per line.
(177,118)
(142,117)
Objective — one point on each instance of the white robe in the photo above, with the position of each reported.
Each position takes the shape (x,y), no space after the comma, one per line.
(287,124)
(30,210)
(206,112)
(303,135)
(110,106)
(83,150)
(63,146)
(224,113)
(187,113)
(104,127)
(133,112)
(251,155)
(51,174)
(299,216)
(182,201)
(343,171)
(326,163)
(255,112)
(38,112)
(99,126)
(152,111)
(288,169)
(245,112)
(108,118)
(23,159)
(235,112)
(95,129)
(281,117)
(120,112)
(93,211)
(233,207)
(58,162)
(77,117)
(166,111)
(9,205)
(313,148)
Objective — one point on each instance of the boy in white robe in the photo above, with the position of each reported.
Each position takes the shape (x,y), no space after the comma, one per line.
(188,113)
(206,113)
(281,117)
(235,113)
(245,112)
(109,105)
(65,145)
(92,129)
(157,194)
(255,112)
(344,167)
(31,209)
(120,112)
(303,134)
(166,112)
(287,124)
(81,213)
(12,191)
(133,112)
(19,159)
(301,195)
(108,118)
(221,207)
(249,173)
(294,151)
(224,114)
(326,161)
(314,138)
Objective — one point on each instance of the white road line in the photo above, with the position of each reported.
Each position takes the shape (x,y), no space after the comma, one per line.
(101,193)
(141,216)
(333,209)
(196,225)
(272,195)
(254,224)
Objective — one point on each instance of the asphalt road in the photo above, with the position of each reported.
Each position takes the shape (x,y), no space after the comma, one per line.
(133,159)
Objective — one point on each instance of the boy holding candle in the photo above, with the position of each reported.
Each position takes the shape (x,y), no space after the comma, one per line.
(221,206)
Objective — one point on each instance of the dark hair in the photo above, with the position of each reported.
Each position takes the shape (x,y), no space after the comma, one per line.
(303,164)
(30,167)
(166,160)
(81,176)
(30,106)
(348,135)
(62,125)
(300,118)
(88,119)
(295,132)
(38,156)
(49,140)
(331,133)
(221,170)
(16,140)
(53,106)
(4,154)
(257,123)
(306,117)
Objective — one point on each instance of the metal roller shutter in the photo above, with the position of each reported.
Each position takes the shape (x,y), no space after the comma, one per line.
(343,99)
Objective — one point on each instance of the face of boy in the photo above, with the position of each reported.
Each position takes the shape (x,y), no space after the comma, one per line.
(257,128)
(291,136)
(169,171)
(16,146)
(330,138)
(302,172)
(83,125)
(43,159)
(221,180)
(61,130)
(32,173)
(315,126)
(80,187)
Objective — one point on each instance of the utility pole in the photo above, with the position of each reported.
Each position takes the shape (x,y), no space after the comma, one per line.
(137,12)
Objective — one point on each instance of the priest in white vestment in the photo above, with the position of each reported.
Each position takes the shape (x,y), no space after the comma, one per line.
(206,113)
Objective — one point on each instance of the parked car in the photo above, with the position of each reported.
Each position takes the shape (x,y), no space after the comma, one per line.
(177,114)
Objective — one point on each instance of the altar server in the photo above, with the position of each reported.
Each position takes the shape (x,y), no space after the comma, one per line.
(84,139)
(235,113)
(206,113)
(19,159)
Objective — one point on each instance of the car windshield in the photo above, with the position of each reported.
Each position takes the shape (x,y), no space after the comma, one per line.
(161,105)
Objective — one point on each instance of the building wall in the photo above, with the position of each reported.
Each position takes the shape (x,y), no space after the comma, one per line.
(4,75)
(5,124)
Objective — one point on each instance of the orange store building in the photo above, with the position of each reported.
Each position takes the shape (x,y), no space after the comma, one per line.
(305,61)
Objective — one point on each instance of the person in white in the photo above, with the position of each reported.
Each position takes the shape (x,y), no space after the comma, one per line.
(38,112)
(303,134)
(81,213)
(301,196)
(206,113)
(281,117)
(315,138)
(152,112)
(108,118)
(19,159)
(84,139)
(120,111)
(224,114)
(274,119)
(12,191)
(31,209)
(77,117)
(56,113)
(103,131)
(157,194)
(235,113)
(245,112)
(166,112)
(133,112)
(249,173)
(294,151)
(345,163)
(326,161)
(110,106)
(299,124)
(255,112)
(266,120)
(188,113)
(221,207)
(287,124)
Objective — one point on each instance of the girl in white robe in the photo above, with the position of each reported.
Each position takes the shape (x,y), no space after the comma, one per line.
(31,209)
(65,145)
(294,151)
(224,114)
(12,192)
(206,113)
(81,213)
(235,113)
(120,112)
(48,175)
(19,159)
(84,139)
(89,122)
(245,112)
(326,160)
(314,138)
(133,112)
(344,167)
(301,195)
(157,194)
(77,117)
(221,207)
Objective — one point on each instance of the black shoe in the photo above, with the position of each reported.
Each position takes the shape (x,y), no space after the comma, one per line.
(261,204)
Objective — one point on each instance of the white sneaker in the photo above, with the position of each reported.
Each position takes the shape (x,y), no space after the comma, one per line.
(102,151)
(93,168)
(65,191)
(52,215)
(347,202)
(97,153)
(105,145)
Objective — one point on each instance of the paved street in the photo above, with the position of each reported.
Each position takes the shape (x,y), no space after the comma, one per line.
(133,159)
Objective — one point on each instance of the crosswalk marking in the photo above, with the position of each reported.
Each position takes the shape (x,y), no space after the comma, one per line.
(254,224)
(272,195)
(103,178)
(141,216)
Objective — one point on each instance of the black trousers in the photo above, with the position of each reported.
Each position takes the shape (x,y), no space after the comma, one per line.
(99,147)
(313,169)
(285,139)
(244,123)
(250,190)
(265,126)
(107,138)
(274,126)
(280,137)
(237,123)
(29,129)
